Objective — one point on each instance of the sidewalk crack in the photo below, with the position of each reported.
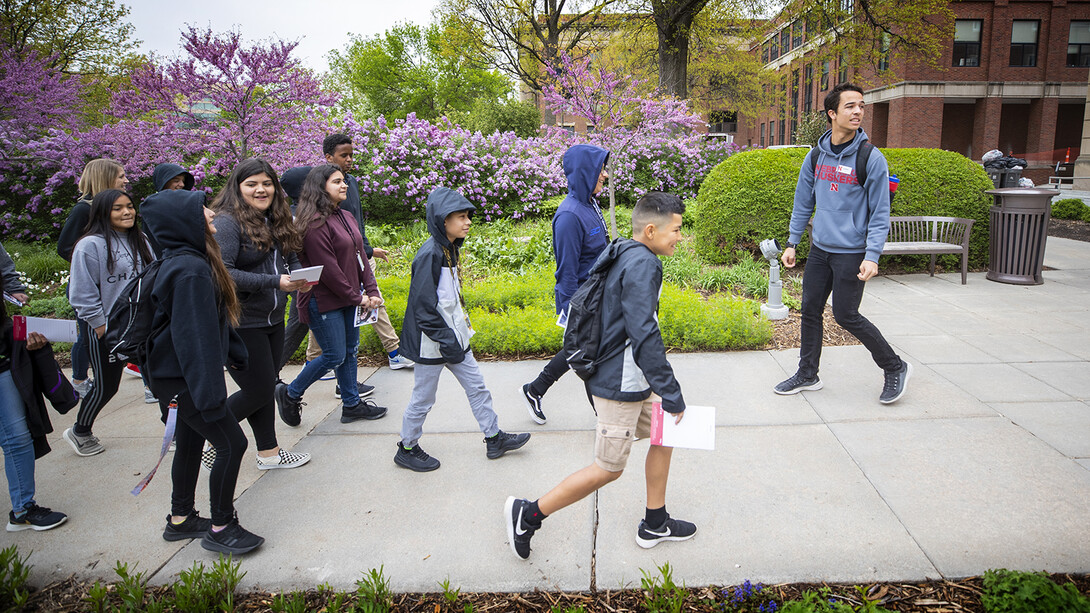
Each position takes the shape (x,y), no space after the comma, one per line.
(594,547)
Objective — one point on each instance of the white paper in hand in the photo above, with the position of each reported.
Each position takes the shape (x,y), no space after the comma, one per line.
(310,274)
(696,430)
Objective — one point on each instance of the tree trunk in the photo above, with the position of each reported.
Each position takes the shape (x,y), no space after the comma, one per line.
(673,20)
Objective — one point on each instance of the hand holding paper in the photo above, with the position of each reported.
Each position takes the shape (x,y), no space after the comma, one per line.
(696,431)
(310,274)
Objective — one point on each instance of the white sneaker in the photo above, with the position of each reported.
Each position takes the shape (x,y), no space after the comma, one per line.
(83,387)
(399,361)
(285,459)
(149,398)
(132,369)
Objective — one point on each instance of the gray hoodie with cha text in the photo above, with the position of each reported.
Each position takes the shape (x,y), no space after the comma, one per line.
(92,286)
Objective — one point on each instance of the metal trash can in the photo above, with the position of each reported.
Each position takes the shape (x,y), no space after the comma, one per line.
(1016,238)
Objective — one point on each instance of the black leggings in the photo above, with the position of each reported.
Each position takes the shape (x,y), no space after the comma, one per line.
(192,431)
(551,373)
(107,379)
(254,400)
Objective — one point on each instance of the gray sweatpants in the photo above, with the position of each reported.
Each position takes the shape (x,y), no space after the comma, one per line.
(427,381)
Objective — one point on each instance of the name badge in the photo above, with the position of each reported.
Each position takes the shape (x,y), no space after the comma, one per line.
(842,169)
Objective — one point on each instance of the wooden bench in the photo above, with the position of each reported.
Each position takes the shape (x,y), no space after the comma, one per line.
(930,236)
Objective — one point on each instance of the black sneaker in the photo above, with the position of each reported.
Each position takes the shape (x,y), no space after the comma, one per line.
(503,442)
(233,539)
(519,532)
(366,409)
(36,518)
(193,527)
(415,459)
(797,384)
(672,530)
(364,390)
(895,384)
(291,409)
(533,403)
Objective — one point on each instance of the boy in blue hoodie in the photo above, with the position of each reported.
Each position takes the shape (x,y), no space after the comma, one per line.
(579,237)
(436,331)
(626,385)
(851,222)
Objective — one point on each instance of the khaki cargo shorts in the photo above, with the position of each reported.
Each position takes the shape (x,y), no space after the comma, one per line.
(619,423)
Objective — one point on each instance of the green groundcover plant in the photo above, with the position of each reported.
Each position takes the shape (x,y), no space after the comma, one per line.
(1012,591)
(1071,208)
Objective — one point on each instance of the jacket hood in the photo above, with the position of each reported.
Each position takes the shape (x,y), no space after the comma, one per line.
(176,219)
(582,165)
(165,172)
(442,202)
(292,181)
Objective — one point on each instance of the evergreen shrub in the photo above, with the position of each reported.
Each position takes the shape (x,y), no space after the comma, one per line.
(1071,208)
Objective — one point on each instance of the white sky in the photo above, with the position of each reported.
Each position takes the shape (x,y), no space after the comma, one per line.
(318,26)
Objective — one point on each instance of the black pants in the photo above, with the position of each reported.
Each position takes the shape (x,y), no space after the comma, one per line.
(254,400)
(107,378)
(551,373)
(836,272)
(192,431)
(294,334)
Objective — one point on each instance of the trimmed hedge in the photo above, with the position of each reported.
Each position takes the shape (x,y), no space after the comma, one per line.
(1071,208)
(749,197)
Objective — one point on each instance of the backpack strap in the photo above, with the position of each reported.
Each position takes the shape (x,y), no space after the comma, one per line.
(862,156)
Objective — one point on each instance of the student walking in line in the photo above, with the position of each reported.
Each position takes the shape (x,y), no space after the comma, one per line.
(98,175)
(436,334)
(258,241)
(331,239)
(625,386)
(579,237)
(112,252)
(195,307)
(851,222)
(295,331)
(28,371)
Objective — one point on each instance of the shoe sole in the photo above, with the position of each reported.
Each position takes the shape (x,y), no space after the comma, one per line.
(20,527)
(151,401)
(400,366)
(182,536)
(280,403)
(540,420)
(220,548)
(649,544)
(367,394)
(348,420)
(414,468)
(503,451)
(904,387)
(508,510)
(805,388)
(75,446)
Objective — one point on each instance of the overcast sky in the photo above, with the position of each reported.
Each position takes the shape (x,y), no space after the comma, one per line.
(318,27)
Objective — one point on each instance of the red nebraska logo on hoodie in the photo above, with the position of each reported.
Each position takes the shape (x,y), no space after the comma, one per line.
(833,187)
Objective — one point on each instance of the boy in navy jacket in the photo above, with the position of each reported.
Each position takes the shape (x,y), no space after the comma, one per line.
(626,386)
(436,332)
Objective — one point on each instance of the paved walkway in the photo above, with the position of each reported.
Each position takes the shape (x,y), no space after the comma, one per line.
(985,463)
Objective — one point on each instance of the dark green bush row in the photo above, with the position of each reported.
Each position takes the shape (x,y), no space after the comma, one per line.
(1071,208)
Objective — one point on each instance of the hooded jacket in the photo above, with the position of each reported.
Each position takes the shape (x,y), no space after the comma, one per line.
(630,316)
(436,329)
(195,341)
(579,230)
(354,208)
(73,228)
(256,273)
(94,287)
(848,217)
(163,173)
(292,182)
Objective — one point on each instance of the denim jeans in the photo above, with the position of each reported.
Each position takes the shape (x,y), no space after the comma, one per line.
(339,340)
(17,444)
(836,272)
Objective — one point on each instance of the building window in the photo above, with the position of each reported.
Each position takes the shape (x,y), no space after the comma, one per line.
(1024,42)
(967,42)
(825,75)
(762,134)
(796,34)
(783,126)
(773,49)
(842,76)
(771,133)
(764,53)
(846,6)
(785,40)
(1078,44)
(883,59)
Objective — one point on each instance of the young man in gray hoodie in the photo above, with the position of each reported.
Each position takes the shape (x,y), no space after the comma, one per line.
(850,225)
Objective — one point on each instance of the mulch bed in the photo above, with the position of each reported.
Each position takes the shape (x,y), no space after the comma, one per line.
(1067,228)
(943,596)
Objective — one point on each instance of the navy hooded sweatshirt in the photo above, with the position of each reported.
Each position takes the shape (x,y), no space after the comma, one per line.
(196,341)
(436,329)
(163,173)
(579,230)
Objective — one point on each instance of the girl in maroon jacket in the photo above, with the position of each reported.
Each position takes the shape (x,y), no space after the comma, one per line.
(331,238)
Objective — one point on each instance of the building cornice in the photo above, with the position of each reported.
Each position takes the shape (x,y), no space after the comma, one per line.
(967,91)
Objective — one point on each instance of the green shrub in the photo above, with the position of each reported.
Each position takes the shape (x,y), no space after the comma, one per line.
(1011,591)
(13,579)
(1071,208)
(689,322)
(749,197)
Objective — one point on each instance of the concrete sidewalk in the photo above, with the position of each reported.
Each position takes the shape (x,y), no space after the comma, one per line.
(985,463)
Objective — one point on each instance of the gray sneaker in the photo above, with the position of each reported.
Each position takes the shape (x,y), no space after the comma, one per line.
(149,398)
(83,445)
(796,384)
(895,384)
(83,387)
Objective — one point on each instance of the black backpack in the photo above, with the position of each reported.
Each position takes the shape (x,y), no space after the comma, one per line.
(862,156)
(583,333)
(129,323)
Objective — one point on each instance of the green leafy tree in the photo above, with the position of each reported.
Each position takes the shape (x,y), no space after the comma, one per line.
(489,116)
(79,36)
(411,69)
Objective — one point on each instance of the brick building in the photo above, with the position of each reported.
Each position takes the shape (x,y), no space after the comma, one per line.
(1013,77)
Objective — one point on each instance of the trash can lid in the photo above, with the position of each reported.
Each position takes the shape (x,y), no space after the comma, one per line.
(1024,191)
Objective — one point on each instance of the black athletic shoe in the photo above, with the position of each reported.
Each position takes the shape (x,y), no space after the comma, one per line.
(797,384)
(291,409)
(503,442)
(366,409)
(672,530)
(415,459)
(36,518)
(364,390)
(519,532)
(896,383)
(194,527)
(233,539)
(533,404)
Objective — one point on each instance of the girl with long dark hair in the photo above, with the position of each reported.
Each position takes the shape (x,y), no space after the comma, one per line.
(112,251)
(258,241)
(332,239)
(195,307)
